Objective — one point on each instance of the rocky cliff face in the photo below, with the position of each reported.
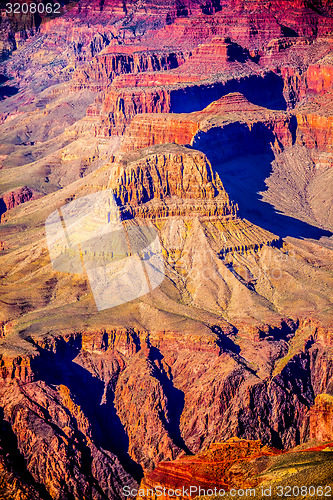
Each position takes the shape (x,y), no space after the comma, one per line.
(115,60)
(232,112)
(178,172)
(135,376)
(197,114)
(12,199)
(213,70)
(315,124)
(58,429)
(311,78)
(119,107)
(321,418)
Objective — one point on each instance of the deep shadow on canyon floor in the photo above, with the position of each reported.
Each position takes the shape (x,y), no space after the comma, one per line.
(243,159)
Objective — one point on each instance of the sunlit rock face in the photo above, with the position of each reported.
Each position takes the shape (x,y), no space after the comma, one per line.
(210,122)
(321,420)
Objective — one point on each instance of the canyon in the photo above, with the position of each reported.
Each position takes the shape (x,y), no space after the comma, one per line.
(211,121)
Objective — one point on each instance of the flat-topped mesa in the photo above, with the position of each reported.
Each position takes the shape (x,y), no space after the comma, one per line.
(315,127)
(183,128)
(169,180)
(212,468)
(230,103)
(210,58)
(117,60)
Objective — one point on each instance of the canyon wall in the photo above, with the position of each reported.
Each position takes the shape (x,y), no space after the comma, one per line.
(115,60)
(321,418)
(136,376)
(197,114)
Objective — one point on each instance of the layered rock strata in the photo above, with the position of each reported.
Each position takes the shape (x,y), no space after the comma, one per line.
(230,68)
(119,60)
(207,367)
(173,176)
(321,418)
(315,124)
(148,129)
(221,66)
(173,181)
(11,199)
(68,462)
(237,340)
(218,468)
(314,79)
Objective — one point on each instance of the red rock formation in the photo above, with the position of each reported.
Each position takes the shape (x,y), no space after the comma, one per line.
(321,418)
(56,445)
(222,466)
(118,60)
(316,131)
(200,29)
(125,341)
(315,124)
(16,197)
(173,176)
(133,94)
(120,106)
(16,367)
(149,129)
(317,79)
(124,100)
(218,56)
(165,374)
(152,79)
(132,370)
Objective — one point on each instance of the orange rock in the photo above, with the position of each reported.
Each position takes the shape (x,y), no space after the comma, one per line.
(16,197)
(319,78)
(321,418)
(176,180)
(315,131)
(113,61)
